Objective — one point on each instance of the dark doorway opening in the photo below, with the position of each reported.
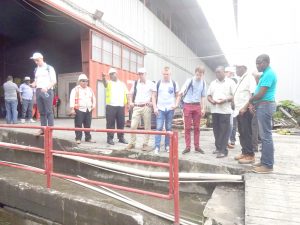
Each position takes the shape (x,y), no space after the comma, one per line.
(26,28)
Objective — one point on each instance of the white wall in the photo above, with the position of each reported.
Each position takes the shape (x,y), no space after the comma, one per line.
(135,20)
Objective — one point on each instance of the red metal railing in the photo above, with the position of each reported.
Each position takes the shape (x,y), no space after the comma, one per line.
(48,152)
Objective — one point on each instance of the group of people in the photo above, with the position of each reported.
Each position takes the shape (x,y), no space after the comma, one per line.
(239,99)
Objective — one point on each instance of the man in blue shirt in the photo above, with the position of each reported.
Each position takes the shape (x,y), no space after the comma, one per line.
(193,94)
(26,100)
(264,102)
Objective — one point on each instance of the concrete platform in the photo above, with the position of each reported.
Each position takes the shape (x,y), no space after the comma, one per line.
(259,198)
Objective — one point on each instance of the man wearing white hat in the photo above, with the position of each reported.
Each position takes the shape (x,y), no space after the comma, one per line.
(244,91)
(44,81)
(140,102)
(116,99)
(26,93)
(82,103)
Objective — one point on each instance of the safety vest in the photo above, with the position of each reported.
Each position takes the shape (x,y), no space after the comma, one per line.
(108,94)
(76,105)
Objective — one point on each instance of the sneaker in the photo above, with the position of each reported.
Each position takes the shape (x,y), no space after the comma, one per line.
(186,150)
(22,120)
(110,142)
(248,159)
(146,147)
(78,142)
(130,146)
(215,151)
(262,169)
(230,146)
(39,133)
(199,150)
(32,121)
(221,155)
(257,164)
(156,151)
(90,141)
(167,148)
(122,140)
(240,156)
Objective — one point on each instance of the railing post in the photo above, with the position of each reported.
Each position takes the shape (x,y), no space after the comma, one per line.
(171,176)
(47,156)
(176,178)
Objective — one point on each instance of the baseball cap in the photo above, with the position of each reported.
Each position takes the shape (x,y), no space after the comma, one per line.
(240,64)
(26,78)
(142,70)
(36,55)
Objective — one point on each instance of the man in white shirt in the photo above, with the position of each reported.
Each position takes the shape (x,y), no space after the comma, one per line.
(26,100)
(82,103)
(220,95)
(140,100)
(164,104)
(244,91)
(44,81)
(116,99)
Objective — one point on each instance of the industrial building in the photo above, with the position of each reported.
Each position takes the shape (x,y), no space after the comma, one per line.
(91,36)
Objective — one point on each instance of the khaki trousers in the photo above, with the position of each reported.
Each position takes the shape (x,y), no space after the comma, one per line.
(137,114)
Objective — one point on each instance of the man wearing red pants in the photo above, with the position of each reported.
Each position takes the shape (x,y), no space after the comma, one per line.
(193,96)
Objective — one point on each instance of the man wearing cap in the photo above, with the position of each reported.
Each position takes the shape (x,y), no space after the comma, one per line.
(26,93)
(140,100)
(82,103)
(116,99)
(11,91)
(44,81)
(243,92)
(230,73)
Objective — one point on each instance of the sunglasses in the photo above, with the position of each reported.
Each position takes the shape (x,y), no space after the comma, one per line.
(84,81)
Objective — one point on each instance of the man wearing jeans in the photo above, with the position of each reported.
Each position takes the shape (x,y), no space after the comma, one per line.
(193,92)
(26,100)
(164,104)
(44,81)
(264,102)
(11,100)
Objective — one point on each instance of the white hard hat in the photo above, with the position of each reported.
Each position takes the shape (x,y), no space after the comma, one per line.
(82,77)
(142,70)
(26,78)
(36,55)
(112,70)
(230,69)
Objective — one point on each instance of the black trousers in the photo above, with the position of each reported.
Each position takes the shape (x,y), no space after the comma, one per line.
(245,130)
(221,126)
(85,119)
(115,114)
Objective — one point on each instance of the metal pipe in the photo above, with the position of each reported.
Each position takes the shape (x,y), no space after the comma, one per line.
(151,174)
(132,202)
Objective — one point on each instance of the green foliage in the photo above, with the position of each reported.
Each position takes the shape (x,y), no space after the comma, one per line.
(290,107)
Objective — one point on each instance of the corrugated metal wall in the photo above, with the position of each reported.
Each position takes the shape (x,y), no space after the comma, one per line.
(136,21)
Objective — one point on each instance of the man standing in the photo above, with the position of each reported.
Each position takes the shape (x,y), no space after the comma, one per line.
(26,93)
(82,103)
(11,100)
(44,81)
(116,99)
(230,73)
(164,104)
(220,95)
(140,100)
(244,91)
(264,102)
(193,94)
